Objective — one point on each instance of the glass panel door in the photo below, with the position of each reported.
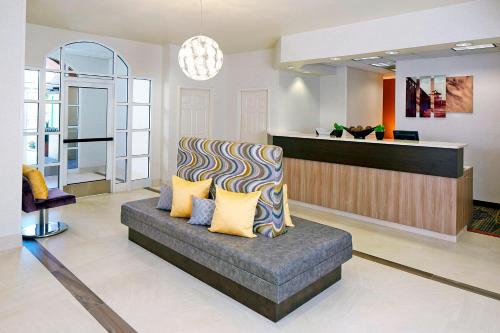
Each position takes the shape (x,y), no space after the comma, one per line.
(88,139)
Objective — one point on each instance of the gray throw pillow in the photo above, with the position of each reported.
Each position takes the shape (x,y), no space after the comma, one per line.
(202,212)
(165,201)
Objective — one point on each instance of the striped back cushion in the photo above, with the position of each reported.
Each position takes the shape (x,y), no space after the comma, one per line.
(239,167)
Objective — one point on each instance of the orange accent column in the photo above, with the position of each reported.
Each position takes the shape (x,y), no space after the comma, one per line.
(388,108)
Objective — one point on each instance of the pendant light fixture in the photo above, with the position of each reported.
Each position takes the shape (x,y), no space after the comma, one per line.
(200,57)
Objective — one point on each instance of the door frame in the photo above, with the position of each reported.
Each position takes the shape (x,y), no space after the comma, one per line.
(110,125)
(240,109)
(210,108)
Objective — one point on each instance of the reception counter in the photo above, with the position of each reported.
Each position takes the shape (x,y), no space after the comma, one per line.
(423,186)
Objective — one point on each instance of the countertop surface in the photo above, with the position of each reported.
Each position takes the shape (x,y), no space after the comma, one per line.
(432,144)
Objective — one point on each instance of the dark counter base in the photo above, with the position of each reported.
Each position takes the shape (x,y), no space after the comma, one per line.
(443,162)
(245,296)
(488,204)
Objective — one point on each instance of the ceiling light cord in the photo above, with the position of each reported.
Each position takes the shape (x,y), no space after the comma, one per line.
(201,15)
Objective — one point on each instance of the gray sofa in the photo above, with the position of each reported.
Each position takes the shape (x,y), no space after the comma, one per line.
(272,276)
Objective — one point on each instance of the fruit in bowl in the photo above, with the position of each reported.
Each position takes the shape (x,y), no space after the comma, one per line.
(359,132)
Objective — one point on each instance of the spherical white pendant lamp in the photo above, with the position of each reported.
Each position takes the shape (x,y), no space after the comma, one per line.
(200,57)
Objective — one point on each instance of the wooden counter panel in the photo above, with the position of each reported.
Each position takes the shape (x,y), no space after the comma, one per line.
(465,200)
(421,201)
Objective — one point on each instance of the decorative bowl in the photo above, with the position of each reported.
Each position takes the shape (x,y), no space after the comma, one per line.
(361,134)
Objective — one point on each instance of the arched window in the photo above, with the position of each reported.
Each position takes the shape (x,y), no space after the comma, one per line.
(86,58)
(55,111)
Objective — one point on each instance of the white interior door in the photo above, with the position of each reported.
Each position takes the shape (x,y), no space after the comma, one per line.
(195,105)
(254,105)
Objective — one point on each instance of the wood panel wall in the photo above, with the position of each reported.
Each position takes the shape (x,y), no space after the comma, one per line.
(421,201)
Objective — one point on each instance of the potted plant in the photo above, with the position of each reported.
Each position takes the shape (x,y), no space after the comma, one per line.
(379,132)
(337,130)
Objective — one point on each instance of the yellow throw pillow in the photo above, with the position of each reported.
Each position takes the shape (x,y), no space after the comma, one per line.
(183,192)
(37,182)
(27,168)
(286,210)
(234,213)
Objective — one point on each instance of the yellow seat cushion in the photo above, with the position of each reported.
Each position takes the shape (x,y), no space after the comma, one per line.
(234,213)
(37,182)
(183,192)
(286,209)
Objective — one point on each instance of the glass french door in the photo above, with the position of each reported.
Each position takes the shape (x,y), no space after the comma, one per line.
(87,160)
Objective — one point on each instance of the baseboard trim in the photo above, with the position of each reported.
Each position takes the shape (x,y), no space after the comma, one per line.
(383,223)
(486,204)
(10,242)
(152,189)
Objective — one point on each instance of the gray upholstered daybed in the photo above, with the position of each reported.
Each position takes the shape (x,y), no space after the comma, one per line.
(272,276)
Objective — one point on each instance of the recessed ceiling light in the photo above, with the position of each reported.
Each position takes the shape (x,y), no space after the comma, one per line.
(290,67)
(463,44)
(392,52)
(366,58)
(381,64)
(306,72)
(335,59)
(474,47)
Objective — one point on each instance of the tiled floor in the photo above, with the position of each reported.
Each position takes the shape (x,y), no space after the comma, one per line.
(32,300)
(474,259)
(154,296)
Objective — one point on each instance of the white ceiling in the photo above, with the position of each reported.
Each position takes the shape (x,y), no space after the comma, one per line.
(430,51)
(237,25)
(416,54)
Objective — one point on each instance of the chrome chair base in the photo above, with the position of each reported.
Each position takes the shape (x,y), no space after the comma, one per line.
(43,228)
(40,231)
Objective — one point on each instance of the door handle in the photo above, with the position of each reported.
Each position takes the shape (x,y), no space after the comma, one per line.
(88,140)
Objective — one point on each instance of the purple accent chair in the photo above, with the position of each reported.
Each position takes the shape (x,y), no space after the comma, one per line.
(44,228)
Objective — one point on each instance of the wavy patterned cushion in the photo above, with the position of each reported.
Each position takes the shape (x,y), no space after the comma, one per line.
(165,201)
(239,167)
(203,211)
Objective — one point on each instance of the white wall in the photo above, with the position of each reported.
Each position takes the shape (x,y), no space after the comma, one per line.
(299,102)
(12,30)
(479,129)
(364,97)
(351,97)
(472,20)
(144,60)
(333,98)
(250,70)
